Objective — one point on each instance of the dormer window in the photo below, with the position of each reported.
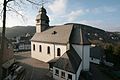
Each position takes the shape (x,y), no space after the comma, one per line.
(54,32)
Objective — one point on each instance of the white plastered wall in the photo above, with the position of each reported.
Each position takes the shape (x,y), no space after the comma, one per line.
(84,52)
(79,71)
(38,28)
(86,57)
(63,49)
(58,77)
(43,55)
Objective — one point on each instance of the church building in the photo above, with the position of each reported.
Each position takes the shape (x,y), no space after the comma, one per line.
(66,45)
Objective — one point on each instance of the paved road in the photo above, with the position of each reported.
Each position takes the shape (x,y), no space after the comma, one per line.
(97,74)
(36,70)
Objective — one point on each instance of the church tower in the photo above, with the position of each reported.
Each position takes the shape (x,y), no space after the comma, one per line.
(42,20)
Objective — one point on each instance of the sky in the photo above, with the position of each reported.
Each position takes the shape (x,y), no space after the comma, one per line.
(103,14)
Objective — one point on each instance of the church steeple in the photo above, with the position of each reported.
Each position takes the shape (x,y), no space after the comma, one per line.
(42,20)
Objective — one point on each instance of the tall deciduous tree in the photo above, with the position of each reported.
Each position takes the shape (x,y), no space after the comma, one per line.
(109,49)
(117,50)
(3,11)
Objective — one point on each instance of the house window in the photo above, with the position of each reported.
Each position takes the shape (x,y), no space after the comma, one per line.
(57,72)
(92,58)
(69,77)
(33,47)
(63,75)
(58,52)
(48,50)
(40,48)
(8,46)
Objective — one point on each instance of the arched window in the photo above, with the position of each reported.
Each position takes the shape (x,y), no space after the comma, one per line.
(48,50)
(40,48)
(58,52)
(33,47)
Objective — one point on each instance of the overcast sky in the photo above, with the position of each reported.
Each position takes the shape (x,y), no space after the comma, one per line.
(104,14)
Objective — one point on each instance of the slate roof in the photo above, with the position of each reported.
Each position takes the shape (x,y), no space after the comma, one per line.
(58,34)
(73,33)
(78,35)
(54,60)
(69,61)
(96,52)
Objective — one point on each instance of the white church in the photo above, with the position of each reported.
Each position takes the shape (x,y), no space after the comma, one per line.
(65,45)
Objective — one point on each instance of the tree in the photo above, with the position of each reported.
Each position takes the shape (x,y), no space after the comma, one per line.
(7,7)
(117,50)
(109,49)
(112,53)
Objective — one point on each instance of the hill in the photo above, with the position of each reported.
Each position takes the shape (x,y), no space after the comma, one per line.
(19,31)
(95,35)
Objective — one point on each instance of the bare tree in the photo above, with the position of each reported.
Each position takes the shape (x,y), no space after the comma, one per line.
(8,7)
